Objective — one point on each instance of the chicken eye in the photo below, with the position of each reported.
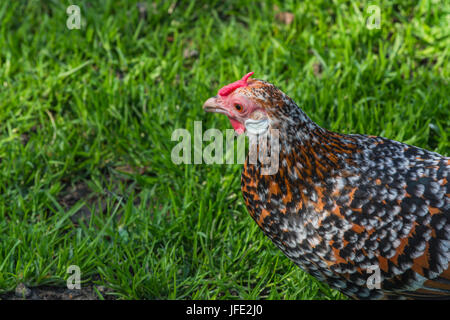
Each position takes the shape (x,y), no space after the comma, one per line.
(239,108)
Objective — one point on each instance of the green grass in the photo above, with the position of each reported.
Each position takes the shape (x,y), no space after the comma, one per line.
(86,118)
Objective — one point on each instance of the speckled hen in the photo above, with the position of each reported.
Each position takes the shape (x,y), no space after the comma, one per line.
(342,205)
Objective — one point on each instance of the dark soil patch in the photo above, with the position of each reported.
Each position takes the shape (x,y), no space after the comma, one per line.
(57,293)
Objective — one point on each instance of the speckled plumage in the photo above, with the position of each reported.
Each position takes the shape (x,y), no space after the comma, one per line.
(340,204)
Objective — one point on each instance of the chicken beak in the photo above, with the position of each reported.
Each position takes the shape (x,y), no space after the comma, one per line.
(213,105)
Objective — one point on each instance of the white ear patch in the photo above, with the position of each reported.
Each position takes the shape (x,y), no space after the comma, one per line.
(257,126)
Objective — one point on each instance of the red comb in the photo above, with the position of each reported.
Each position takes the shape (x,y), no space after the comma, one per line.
(229,88)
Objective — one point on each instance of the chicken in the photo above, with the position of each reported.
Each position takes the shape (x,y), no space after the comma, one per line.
(365,214)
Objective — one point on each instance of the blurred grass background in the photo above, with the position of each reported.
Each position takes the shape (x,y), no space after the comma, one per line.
(86,118)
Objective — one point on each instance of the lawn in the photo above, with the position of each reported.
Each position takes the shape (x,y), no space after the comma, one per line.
(87,115)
